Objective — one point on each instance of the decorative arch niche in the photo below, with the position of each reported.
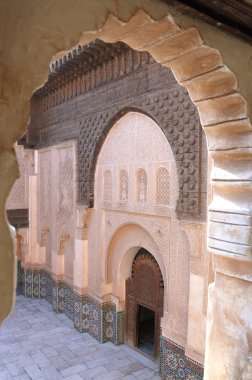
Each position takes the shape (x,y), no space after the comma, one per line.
(133,152)
(122,248)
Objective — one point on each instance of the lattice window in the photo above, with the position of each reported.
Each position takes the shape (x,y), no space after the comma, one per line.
(107,186)
(163,187)
(123,185)
(141,186)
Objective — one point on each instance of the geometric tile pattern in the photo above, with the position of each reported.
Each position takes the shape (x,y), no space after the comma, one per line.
(23,281)
(55,295)
(87,316)
(66,300)
(19,272)
(48,286)
(175,365)
(37,284)
(92,317)
(78,302)
(28,283)
(120,327)
(108,322)
(99,320)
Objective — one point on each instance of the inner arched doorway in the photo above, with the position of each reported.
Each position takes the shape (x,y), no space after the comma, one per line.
(144,304)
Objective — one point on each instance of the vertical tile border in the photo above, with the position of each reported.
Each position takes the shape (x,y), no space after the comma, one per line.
(92,317)
(28,283)
(108,322)
(35,284)
(19,272)
(77,309)
(120,328)
(43,283)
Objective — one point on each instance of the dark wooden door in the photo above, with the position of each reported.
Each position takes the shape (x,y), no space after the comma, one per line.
(145,288)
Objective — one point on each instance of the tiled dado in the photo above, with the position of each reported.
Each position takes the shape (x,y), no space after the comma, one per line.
(19,272)
(33,283)
(101,320)
(175,365)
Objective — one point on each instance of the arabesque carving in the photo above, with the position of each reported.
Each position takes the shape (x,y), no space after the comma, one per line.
(150,88)
(19,196)
(124,183)
(162,187)
(65,203)
(141,186)
(44,195)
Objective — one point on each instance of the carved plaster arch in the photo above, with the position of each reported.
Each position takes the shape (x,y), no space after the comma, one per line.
(148,125)
(223,114)
(109,124)
(163,110)
(120,253)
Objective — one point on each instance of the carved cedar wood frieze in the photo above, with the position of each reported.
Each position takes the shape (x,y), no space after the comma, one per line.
(92,87)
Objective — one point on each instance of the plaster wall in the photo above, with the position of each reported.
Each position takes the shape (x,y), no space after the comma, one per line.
(55,213)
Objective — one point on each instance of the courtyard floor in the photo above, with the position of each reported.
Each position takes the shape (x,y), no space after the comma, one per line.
(36,343)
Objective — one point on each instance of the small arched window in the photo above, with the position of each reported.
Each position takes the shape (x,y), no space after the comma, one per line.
(107,186)
(141,186)
(123,185)
(163,187)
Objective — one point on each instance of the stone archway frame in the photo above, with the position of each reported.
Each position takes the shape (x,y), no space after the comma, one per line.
(223,114)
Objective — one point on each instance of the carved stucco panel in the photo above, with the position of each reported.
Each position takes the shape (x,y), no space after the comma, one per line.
(65,198)
(19,196)
(44,196)
(158,228)
(129,147)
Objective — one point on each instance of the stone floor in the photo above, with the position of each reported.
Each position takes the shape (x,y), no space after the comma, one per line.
(36,343)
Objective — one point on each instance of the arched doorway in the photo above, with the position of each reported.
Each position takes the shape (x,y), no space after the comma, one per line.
(144,304)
